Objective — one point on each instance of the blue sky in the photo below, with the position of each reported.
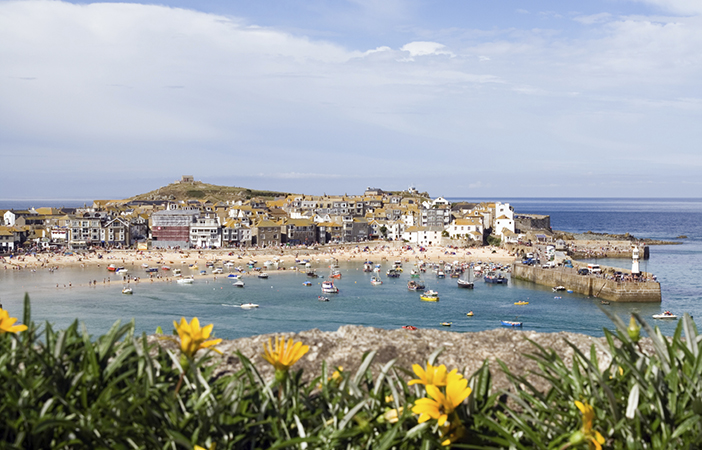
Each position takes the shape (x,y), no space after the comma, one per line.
(458,98)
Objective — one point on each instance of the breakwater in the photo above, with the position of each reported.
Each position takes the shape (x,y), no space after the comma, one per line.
(590,285)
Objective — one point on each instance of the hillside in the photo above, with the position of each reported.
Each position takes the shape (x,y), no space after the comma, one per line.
(198,190)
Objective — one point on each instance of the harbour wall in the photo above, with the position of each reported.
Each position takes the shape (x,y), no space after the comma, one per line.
(590,285)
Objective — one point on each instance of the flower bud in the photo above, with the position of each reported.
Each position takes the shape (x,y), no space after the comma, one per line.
(634,330)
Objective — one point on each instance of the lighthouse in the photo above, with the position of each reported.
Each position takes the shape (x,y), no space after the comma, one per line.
(635,260)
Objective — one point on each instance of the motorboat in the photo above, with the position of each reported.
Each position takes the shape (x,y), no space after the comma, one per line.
(495,278)
(393,273)
(233,275)
(151,270)
(177,272)
(509,323)
(521,303)
(375,281)
(376,268)
(440,274)
(238,283)
(414,285)
(186,280)
(559,288)
(430,296)
(312,274)
(145,266)
(329,288)
(127,291)
(307,283)
(367,267)
(414,273)
(263,275)
(112,268)
(216,271)
(165,268)
(248,306)
(446,324)
(203,272)
(665,315)
(335,274)
(322,298)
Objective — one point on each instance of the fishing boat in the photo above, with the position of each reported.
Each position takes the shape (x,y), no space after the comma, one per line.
(263,275)
(446,324)
(322,298)
(415,285)
(430,296)
(238,283)
(495,278)
(466,283)
(127,291)
(375,281)
(185,280)
(509,323)
(521,303)
(665,315)
(248,306)
(329,288)
(393,273)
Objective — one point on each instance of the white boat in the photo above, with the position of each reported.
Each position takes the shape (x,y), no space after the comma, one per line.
(229,264)
(122,271)
(263,275)
(429,296)
(329,288)
(177,272)
(127,291)
(322,298)
(238,283)
(375,281)
(665,315)
(186,280)
(248,306)
(559,288)
(217,270)
(145,266)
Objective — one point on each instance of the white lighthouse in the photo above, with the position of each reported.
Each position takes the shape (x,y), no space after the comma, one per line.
(635,260)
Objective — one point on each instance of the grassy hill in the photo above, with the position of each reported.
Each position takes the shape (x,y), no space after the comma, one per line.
(198,190)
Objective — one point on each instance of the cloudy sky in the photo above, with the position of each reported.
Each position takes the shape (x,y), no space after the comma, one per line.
(461,98)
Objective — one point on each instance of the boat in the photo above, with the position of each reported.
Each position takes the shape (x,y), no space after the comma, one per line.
(409,327)
(603,302)
(229,264)
(127,291)
(263,275)
(185,280)
(430,296)
(455,274)
(112,268)
(466,283)
(495,278)
(367,267)
(415,285)
(217,271)
(440,274)
(559,288)
(176,272)
(335,274)
(376,268)
(312,274)
(151,270)
(248,306)
(165,268)
(446,324)
(121,271)
(203,272)
(329,288)
(238,283)
(393,273)
(375,281)
(322,298)
(307,283)
(414,273)
(509,323)
(521,303)
(665,315)
(469,314)
(145,266)
(233,275)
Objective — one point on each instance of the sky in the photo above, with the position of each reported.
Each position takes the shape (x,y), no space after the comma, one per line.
(458,98)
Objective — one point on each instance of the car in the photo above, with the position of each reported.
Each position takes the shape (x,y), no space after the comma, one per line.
(584,271)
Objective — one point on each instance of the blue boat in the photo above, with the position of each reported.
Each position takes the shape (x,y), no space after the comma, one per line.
(495,278)
(508,323)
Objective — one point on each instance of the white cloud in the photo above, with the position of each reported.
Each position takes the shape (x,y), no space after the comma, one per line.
(692,7)
(424,48)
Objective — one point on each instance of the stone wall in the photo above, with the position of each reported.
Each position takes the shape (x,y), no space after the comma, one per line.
(532,222)
(589,285)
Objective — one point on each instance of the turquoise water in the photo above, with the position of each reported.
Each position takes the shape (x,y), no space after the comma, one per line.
(287,305)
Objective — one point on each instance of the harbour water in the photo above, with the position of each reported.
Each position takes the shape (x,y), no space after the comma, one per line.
(287,305)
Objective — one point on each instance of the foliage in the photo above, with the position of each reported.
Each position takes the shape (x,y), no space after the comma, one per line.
(494,240)
(66,389)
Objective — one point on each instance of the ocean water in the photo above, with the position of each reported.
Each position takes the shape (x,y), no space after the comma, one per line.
(288,306)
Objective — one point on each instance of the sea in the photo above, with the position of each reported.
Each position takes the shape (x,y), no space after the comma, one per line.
(287,305)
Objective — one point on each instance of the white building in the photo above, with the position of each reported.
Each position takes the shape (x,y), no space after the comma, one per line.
(206,232)
(469,228)
(423,236)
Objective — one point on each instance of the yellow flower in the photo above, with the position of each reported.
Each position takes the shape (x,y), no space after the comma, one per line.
(434,375)
(440,405)
(194,338)
(336,376)
(452,432)
(392,415)
(211,447)
(283,356)
(586,433)
(7,323)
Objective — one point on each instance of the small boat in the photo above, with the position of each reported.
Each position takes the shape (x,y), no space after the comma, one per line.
(375,281)
(414,285)
(509,323)
(367,267)
(263,275)
(430,296)
(203,272)
(559,288)
(469,314)
(151,270)
(602,302)
(329,288)
(393,273)
(409,327)
(665,315)
(440,274)
(238,283)
(176,272)
(446,324)
(335,274)
(307,283)
(312,274)
(232,275)
(112,268)
(414,273)
(495,278)
(217,271)
(521,303)
(248,306)
(376,268)
(145,266)
(464,283)
(127,291)
(229,264)
(186,280)
(321,298)
(121,271)
(165,268)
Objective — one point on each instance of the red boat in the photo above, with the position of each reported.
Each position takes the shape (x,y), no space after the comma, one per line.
(409,327)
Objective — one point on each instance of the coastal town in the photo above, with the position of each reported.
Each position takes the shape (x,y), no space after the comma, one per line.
(291,220)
